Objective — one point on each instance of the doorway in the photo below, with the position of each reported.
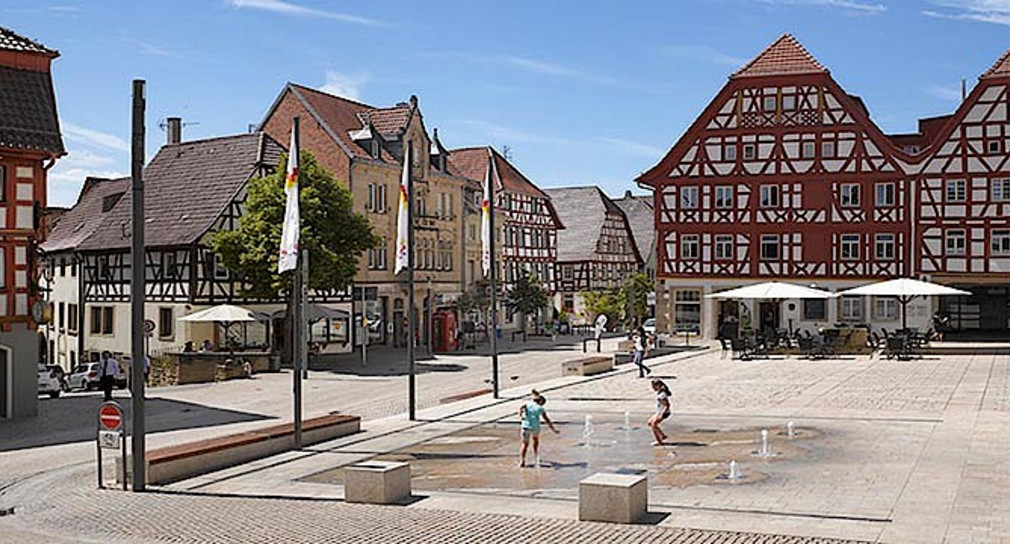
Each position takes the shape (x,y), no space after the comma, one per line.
(768,317)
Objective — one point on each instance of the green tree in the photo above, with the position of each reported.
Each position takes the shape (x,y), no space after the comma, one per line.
(603,303)
(334,235)
(634,298)
(474,299)
(526,297)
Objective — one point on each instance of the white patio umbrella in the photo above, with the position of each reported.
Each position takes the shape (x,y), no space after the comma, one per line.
(775,291)
(903,289)
(225,314)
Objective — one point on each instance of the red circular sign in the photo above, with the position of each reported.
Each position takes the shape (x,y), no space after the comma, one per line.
(110,417)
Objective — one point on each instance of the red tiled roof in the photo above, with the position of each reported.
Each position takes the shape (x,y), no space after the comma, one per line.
(388,121)
(785,56)
(1001,68)
(471,163)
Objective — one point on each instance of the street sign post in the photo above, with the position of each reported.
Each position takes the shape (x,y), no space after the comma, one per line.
(110,435)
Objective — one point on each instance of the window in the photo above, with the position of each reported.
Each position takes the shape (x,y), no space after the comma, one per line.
(850,247)
(993,147)
(61,321)
(956,190)
(724,196)
(1000,242)
(809,150)
(687,310)
(828,150)
(769,247)
(63,267)
(101,320)
(724,247)
(689,247)
(769,196)
(884,247)
(566,272)
(852,308)
(166,323)
(850,195)
(885,308)
(954,242)
(168,265)
(885,195)
(220,271)
(769,103)
(814,309)
(689,197)
(789,102)
(729,152)
(749,152)
(1001,190)
(372,197)
(72,318)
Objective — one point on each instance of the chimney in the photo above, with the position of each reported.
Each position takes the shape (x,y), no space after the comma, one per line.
(174,130)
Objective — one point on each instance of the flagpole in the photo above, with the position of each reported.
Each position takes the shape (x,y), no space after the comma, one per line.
(411,315)
(494,275)
(297,336)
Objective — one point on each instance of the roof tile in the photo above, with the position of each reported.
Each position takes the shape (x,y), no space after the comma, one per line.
(28,111)
(784,56)
(1001,67)
(13,41)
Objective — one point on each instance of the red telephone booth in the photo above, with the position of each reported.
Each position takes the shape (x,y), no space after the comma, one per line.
(444,329)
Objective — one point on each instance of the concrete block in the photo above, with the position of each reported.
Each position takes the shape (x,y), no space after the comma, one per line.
(587,366)
(377,482)
(614,498)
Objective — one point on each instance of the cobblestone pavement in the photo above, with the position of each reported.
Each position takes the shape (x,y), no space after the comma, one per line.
(118,517)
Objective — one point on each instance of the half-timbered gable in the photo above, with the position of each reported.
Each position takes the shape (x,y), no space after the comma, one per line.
(596,249)
(526,220)
(783,175)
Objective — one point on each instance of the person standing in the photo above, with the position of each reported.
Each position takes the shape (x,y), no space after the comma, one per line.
(531,413)
(641,346)
(108,370)
(663,395)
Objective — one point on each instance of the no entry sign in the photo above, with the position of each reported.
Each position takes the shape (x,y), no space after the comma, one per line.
(110,416)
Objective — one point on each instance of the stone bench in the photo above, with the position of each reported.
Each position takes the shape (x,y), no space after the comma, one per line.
(377,482)
(173,463)
(614,498)
(587,366)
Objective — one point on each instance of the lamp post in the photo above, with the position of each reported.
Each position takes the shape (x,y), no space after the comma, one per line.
(427,319)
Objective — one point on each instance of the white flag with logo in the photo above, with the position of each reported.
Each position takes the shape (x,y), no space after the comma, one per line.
(485,221)
(289,234)
(403,218)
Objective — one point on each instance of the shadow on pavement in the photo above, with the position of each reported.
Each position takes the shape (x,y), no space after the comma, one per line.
(75,419)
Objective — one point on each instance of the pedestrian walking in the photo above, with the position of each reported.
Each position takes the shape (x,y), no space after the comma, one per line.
(108,369)
(530,414)
(663,395)
(641,347)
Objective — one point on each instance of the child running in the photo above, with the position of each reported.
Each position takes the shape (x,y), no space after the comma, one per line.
(663,395)
(531,413)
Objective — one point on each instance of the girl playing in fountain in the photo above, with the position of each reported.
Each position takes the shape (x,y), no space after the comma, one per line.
(530,414)
(663,395)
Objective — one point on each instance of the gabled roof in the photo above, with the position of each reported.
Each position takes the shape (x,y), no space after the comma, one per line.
(471,162)
(583,210)
(1000,68)
(641,217)
(83,219)
(341,117)
(28,117)
(187,187)
(784,56)
(12,41)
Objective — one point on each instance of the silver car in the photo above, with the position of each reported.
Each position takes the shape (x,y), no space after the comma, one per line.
(49,382)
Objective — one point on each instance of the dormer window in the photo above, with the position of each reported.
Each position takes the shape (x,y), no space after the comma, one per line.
(375,148)
(109,201)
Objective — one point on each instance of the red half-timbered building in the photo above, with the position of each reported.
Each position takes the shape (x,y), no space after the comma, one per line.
(783,176)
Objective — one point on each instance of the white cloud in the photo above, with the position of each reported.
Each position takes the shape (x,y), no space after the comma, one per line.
(703,53)
(288,8)
(853,6)
(345,85)
(66,178)
(538,66)
(943,92)
(984,11)
(77,133)
(151,49)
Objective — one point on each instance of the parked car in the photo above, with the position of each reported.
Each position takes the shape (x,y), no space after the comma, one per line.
(650,326)
(85,377)
(49,382)
(61,375)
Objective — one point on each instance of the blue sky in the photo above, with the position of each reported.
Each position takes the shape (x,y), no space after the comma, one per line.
(583,92)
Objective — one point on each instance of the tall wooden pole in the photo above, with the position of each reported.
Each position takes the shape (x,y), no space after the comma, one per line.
(137,291)
(494,276)
(411,314)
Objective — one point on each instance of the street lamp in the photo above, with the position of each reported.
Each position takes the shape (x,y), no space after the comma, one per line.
(427,318)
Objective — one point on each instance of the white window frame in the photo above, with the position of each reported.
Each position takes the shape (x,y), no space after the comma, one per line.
(886,194)
(766,191)
(692,242)
(829,149)
(723,247)
(849,196)
(370,205)
(955,242)
(729,152)
(881,241)
(689,197)
(885,308)
(808,150)
(848,247)
(1000,190)
(788,102)
(851,308)
(999,242)
(722,201)
(768,239)
(958,187)
(769,103)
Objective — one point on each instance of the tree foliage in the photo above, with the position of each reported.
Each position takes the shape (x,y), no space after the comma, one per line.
(475,299)
(634,297)
(334,235)
(603,303)
(526,296)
